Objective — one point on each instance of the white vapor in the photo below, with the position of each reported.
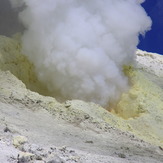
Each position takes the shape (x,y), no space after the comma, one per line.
(80,46)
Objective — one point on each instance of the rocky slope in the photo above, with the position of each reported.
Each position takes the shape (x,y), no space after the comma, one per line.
(37,128)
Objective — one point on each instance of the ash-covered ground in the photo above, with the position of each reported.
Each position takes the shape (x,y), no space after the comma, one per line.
(37,128)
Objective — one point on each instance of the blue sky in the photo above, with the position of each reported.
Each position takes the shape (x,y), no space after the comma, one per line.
(153,41)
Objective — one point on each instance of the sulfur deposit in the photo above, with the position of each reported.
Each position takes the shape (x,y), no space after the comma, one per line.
(12,59)
(139,111)
(142,107)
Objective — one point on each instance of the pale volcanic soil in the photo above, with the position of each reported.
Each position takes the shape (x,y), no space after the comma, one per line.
(35,128)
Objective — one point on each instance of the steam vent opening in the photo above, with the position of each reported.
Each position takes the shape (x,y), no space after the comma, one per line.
(78,53)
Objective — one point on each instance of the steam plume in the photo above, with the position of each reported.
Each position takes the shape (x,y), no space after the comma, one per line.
(79,46)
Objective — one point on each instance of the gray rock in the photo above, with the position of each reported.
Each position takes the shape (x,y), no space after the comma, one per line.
(56,159)
(25,157)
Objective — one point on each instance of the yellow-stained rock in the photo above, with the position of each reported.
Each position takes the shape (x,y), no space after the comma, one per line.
(19,140)
(12,59)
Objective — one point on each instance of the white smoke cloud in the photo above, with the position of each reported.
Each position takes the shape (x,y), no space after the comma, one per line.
(79,46)
(16,3)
